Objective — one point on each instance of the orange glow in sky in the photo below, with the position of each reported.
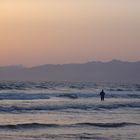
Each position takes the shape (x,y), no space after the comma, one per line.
(36,32)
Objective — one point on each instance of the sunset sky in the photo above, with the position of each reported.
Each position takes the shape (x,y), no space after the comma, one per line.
(34,32)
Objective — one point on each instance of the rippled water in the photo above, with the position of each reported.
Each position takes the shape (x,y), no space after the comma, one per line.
(69,111)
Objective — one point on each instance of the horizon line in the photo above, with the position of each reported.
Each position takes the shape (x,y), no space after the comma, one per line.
(98,61)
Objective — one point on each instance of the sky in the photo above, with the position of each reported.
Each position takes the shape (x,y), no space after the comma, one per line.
(35,32)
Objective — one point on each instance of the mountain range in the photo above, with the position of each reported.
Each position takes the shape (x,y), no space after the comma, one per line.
(95,71)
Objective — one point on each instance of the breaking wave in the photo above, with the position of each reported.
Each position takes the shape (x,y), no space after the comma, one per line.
(64,107)
(46,95)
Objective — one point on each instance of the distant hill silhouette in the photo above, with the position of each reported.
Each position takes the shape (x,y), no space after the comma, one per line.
(112,71)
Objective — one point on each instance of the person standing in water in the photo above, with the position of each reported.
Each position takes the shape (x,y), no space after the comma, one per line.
(102,95)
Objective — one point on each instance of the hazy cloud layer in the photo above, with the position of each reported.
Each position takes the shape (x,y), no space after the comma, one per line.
(60,31)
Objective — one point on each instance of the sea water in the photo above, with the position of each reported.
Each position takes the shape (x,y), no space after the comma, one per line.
(69,111)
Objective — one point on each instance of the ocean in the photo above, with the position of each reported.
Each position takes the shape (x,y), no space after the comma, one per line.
(69,111)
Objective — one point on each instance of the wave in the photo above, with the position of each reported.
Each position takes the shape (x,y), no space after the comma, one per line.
(71,96)
(22,96)
(39,95)
(65,107)
(109,125)
(40,125)
(68,85)
(27,126)
(96,95)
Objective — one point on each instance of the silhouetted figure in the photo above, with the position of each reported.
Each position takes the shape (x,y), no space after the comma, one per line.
(102,94)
